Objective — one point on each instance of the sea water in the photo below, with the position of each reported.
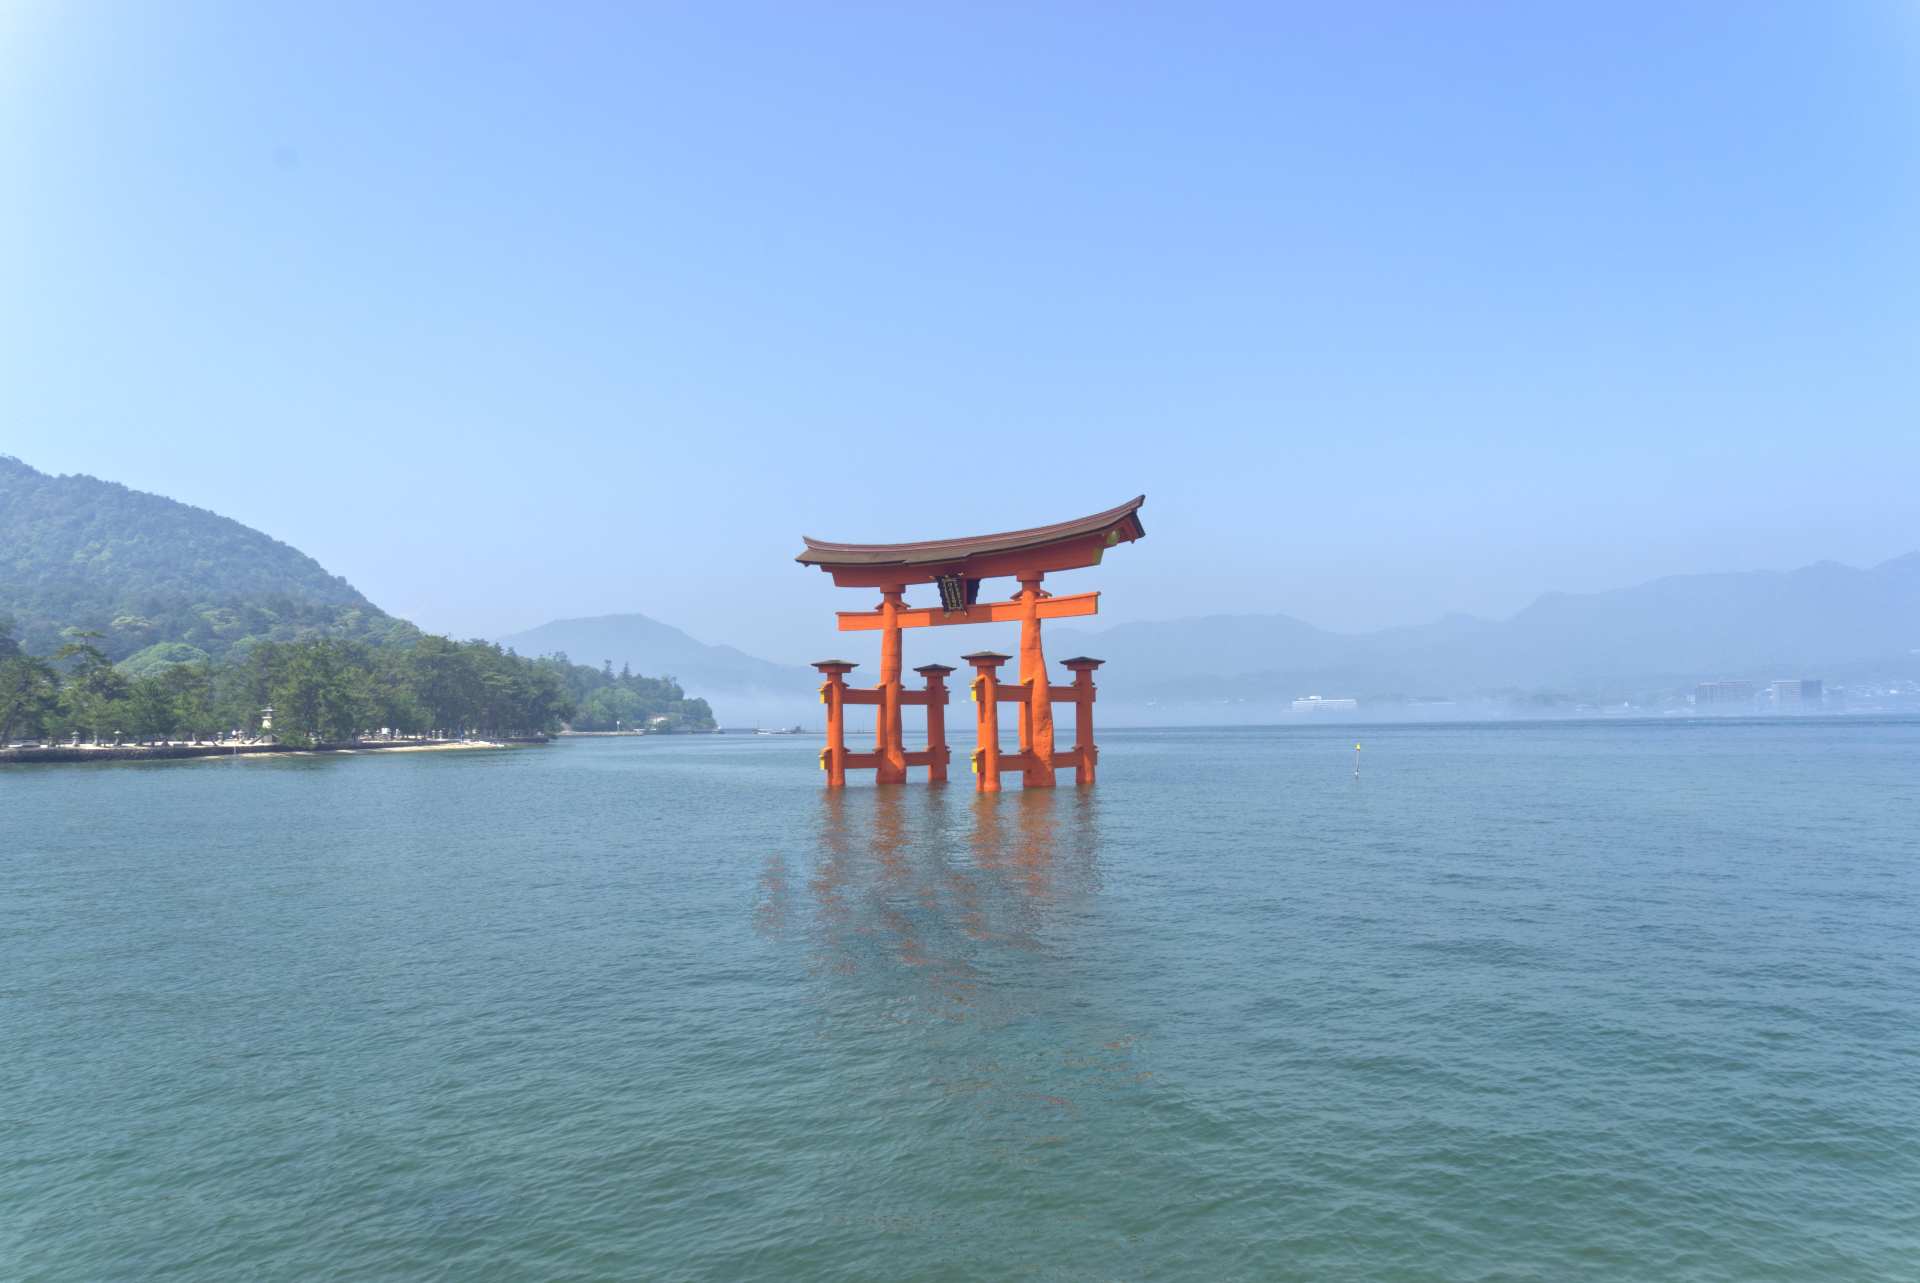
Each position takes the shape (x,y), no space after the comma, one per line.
(1543,1001)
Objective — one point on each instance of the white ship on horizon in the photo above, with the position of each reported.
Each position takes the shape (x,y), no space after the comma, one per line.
(1315,704)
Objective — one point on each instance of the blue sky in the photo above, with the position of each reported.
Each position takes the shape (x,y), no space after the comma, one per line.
(1390,310)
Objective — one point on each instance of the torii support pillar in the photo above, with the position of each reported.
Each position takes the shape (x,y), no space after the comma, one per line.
(989,693)
(1036,713)
(833,693)
(888,740)
(936,697)
(986,718)
(836,761)
(1086,754)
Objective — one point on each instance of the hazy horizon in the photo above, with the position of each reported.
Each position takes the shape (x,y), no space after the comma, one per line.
(509,319)
(799,653)
(1101,623)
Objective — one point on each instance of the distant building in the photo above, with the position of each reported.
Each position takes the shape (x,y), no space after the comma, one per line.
(1800,695)
(1723,697)
(1314,704)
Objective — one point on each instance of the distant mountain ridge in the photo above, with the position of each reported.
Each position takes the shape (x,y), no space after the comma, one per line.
(143,570)
(1663,633)
(1823,619)
(661,649)
(163,582)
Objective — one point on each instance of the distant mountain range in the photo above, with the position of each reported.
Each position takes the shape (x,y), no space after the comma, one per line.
(1825,620)
(743,690)
(163,581)
(657,649)
(1822,619)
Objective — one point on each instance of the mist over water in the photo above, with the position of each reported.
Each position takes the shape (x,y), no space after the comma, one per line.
(1570,1001)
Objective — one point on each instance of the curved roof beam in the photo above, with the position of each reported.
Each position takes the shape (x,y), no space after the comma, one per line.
(1122,522)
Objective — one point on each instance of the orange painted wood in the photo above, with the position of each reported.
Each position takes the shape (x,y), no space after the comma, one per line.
(887,728)
(1038,714)
(986,758)
(1026,555)
(1019,695)
(1022,763)
(990,764)
(935,699)
(919,757)
(1072,606)
(834,756)
(1086,756)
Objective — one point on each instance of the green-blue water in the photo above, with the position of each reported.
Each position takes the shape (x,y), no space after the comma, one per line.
(1555,1002)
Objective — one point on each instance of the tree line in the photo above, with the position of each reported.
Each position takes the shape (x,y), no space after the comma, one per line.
(327,690)
(609,701)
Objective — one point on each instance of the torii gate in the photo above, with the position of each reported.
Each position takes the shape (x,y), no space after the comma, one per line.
(958,566)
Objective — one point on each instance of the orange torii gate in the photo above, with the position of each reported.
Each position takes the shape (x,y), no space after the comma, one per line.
(957,566)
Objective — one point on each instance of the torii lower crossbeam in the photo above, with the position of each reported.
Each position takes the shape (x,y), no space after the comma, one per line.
(990,612)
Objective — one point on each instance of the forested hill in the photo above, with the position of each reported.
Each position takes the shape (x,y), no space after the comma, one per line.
(127,615)
(78,553)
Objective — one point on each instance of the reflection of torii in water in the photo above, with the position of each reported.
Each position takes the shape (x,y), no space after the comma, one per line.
(896,878)
(958,566)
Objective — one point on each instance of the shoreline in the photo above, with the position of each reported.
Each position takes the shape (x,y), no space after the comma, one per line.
(68,754)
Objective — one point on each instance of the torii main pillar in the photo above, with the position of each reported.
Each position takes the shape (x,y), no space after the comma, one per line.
(957,567)
(1036,715)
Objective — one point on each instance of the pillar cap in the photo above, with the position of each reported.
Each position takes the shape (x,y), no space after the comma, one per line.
(1083,661)
(931,669)
(986,657)
(835,665)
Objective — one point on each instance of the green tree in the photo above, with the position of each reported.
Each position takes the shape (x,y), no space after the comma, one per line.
(94,695)
(151,713)
(320,696)
(445,684)
(392,702)
(326,690)
(243,688)
(605,701)
(190,689)
(29,695)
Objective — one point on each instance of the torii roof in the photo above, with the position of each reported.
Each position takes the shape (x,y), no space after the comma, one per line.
(978,556)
